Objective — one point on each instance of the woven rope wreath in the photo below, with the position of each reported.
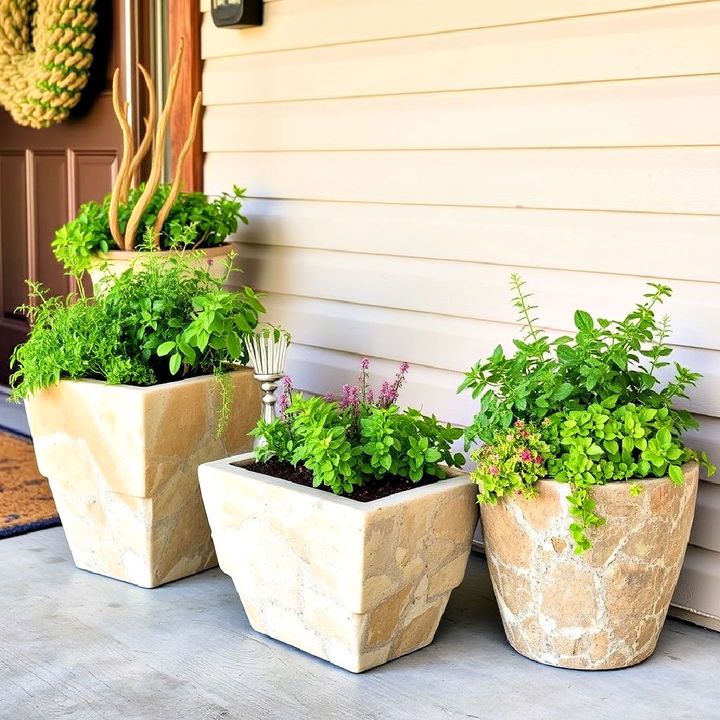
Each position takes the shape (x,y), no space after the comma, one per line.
(45,57)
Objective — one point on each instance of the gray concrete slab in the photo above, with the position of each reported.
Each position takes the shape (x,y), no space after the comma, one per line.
(81,646)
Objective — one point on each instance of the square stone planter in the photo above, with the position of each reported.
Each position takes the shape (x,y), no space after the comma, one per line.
(354,583)
(122,464)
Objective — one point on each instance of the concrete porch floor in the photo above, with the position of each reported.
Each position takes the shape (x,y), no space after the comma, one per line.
(81,646)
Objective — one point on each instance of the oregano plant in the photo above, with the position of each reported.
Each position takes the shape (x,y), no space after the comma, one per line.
(359,437)
(585,409)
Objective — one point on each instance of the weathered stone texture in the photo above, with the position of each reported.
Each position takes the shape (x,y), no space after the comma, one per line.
(357,584)
(602,609)
(122,464)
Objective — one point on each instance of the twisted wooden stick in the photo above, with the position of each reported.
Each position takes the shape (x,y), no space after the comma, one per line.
(167,205)
(158,158)
(119,191)
(150,121)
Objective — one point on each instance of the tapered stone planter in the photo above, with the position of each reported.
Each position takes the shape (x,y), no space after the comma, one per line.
(604,608)
(122,464)
(357,584)
(116,262)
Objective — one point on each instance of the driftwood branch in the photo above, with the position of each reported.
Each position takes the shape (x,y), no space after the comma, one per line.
(150,121)
(119,191)
(169,201)
(158,158)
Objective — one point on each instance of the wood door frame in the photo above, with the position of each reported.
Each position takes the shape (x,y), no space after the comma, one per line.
(184,19)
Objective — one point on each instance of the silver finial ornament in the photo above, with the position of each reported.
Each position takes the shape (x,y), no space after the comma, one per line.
(267,349)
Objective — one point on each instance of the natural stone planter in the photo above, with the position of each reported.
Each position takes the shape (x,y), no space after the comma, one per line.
(602,609)
(122,464)
(116,262)
(357,584)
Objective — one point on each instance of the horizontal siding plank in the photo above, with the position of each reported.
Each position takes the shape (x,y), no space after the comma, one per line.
(699,581)
(666,180)
(707,439)
(667,111)
(321,370)
(625,243)
(303,23)
(472,290)
(672,41)
(706,528)
(443,343)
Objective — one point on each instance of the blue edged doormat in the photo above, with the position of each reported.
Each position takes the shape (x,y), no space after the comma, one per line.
(26,502)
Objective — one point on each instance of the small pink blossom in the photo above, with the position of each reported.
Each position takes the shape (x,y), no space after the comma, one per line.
(519,424)
(524,433)
(539,459)
(364,364)
(286,396)
(350,396)
(493,469)
(526,456)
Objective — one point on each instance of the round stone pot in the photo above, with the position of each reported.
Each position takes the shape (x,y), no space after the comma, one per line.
(116,262)
(602,609)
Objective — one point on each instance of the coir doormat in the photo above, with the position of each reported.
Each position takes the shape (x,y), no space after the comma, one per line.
(26,503)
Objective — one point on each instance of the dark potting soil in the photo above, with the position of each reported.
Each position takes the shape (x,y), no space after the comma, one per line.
(373,490)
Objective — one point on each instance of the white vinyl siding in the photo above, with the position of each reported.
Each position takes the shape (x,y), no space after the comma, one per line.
(402,158)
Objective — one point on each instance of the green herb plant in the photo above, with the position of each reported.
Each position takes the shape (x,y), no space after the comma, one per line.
(164,320)
(194,222)
(357,439)
(591,405)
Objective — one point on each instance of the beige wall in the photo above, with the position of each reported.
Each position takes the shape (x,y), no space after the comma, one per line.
(403,157)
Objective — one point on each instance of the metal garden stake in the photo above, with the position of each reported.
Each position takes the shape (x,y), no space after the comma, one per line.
(267,349)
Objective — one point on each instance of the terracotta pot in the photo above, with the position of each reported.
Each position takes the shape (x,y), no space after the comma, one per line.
(601,609)
(115,262)
(122,464)
(354,583)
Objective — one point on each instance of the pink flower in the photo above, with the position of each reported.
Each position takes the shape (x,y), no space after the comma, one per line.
(539,459)
(364,364)
(493,469)
(286,396)
(350,397)
(526,456)
(524,433)
(519,424)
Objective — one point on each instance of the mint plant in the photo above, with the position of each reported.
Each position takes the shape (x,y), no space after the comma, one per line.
(194,222)
(591,405)
(359,437)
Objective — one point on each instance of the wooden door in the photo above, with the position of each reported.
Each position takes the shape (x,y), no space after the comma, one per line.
(45,175)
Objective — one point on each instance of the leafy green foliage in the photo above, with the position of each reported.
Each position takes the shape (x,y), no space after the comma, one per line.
(593,401)
(356,440)
(193,222)
(162,321)
(601,444)
(606,360)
